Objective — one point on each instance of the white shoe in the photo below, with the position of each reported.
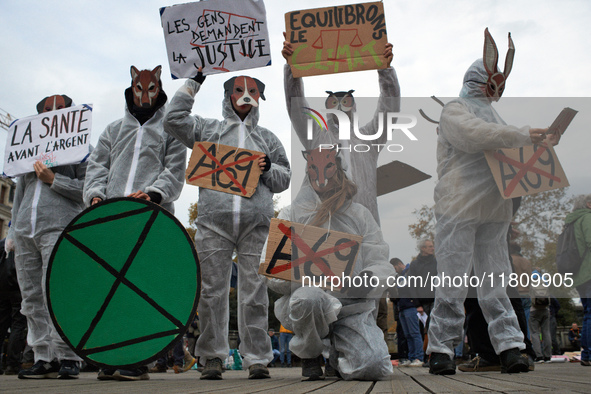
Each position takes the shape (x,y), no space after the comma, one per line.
(405,363)
(416,363)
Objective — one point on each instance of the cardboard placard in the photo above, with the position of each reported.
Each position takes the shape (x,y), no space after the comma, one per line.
(526,170)
(218,35)
(561,122)
(55,138)
(295,250)
(397,175)
(224,168)
(337,39)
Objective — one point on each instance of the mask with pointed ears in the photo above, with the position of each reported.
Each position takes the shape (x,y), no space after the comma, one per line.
(146,86)
(495,85)
(321,167)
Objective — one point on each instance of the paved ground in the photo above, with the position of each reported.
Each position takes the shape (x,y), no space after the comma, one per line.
(566,377)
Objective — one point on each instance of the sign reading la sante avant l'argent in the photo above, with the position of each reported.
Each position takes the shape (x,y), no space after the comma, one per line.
(218,35)
(55,138)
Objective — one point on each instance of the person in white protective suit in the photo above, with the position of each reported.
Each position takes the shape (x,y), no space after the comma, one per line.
(362,166)
(472,216)
(339,323)
(226,222)
(45,201)
(135,158)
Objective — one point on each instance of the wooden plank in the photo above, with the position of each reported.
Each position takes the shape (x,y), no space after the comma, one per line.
(439,384)
(568,377)
(547,377)
(307,387)
(341,386)
(400,383)
(490,381)
(282,379)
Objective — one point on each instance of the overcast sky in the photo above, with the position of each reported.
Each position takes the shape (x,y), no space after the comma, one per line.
(85,48)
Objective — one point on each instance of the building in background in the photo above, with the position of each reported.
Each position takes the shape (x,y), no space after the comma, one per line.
(7,188)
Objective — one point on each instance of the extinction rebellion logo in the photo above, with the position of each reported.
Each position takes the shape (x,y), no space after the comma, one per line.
(388,122)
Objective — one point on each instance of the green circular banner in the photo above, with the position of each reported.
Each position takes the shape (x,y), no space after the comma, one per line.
(123,283)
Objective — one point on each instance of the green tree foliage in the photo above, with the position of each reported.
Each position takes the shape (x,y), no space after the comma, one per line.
(192,217)
(567,314)
(539,220)
(425,225)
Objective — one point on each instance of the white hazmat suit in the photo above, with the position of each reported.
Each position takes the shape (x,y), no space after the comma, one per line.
(39,214)
(472,217)
(329,321)
(131,157)
(226,222)
(363,165)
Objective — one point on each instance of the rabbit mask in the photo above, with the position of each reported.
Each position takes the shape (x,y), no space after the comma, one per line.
(495,85)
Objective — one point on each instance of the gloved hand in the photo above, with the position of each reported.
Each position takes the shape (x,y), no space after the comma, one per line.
(265,163)
(199,78)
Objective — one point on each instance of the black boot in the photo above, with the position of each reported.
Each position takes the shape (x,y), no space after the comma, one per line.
(513,362)
(441,364)
(312,369)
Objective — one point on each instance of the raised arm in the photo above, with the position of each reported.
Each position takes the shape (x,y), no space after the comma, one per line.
(389,100)
(178,121)
(296,102)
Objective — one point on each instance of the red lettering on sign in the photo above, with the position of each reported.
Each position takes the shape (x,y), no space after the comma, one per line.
(224,168)
(524,169)
(314,257)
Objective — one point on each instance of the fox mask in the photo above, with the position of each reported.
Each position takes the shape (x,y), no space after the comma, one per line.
(146,86)
(321,166)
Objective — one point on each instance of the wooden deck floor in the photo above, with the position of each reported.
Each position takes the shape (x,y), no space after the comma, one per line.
(567,377)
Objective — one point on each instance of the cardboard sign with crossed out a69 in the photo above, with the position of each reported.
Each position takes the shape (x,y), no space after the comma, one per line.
(296,250)
(526,170)
(224,168)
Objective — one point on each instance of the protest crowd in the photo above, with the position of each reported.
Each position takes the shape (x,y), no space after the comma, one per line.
(338,332)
